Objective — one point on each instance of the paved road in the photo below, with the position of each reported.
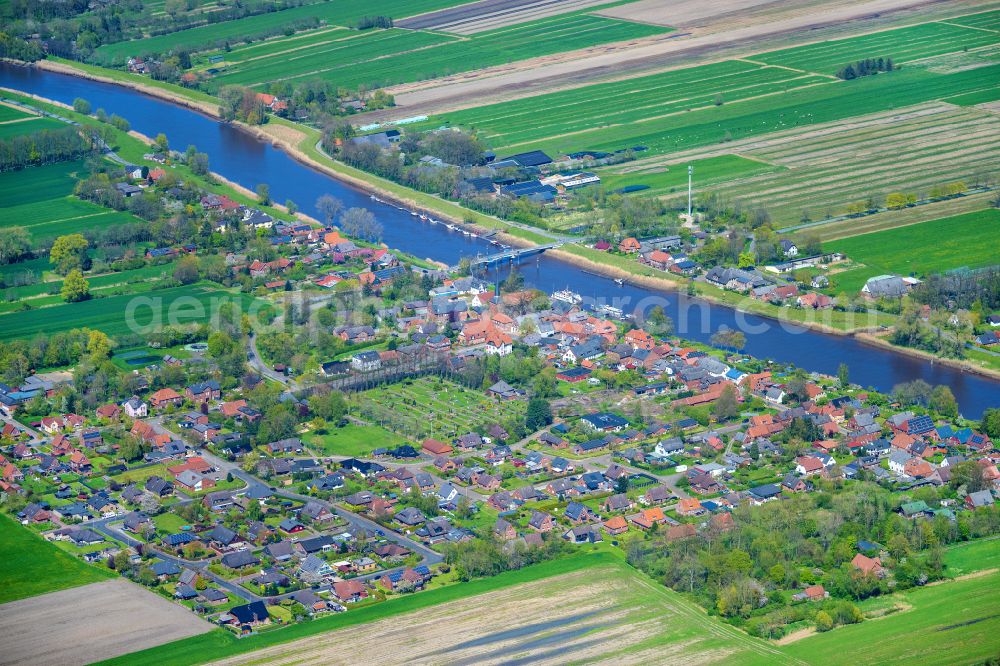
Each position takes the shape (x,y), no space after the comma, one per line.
(105,526)
(258,364)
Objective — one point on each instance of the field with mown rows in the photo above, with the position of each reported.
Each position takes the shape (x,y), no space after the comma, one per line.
(828,168)
(902,45)
(343,56)
(383,58)
(711,104)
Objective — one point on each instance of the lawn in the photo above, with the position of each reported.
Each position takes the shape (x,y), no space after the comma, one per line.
(137,313)
(352,440)
(951,623)
(140,474)
(169,523)
(967,240)
(29,565)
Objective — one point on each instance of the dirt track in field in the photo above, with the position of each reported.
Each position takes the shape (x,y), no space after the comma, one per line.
(729,32)
(91,623)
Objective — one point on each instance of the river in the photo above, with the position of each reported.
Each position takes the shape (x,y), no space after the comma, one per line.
(249,161)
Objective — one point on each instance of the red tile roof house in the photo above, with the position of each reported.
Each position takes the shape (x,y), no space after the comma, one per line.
(811,593)
(868,565)
(629,246)
(436,448)
(165,397)
(350,590)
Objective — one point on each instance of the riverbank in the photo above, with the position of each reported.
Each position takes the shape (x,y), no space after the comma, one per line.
(200,102)
(957,363)
(300,142)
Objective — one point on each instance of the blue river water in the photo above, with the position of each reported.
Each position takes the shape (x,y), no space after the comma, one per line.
(249,161)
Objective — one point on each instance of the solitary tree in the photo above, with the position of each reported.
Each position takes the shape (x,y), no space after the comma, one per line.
(75,287)
(264,194)
(68,253)
(329,207)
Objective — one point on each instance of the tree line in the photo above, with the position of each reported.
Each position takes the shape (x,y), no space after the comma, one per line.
(43,147)
(866,67)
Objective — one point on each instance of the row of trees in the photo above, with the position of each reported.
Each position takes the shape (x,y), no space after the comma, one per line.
(866,67)
(43,147)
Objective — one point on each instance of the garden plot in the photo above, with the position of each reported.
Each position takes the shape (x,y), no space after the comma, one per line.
(432,407)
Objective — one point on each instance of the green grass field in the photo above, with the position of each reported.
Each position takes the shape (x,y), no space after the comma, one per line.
(387,57)
(967,240)
(673,178)
(30,566)
(140,279)
(177,305)
(902,45)
(41,200)
(8,113)
(952,623)
(35,124)
(965,558)
(352,440)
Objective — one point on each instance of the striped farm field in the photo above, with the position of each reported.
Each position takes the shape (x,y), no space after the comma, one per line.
(332,12)
(177,306)
(346,57)
(902,45)
(710,104)
(962,241)
(388,57)
(828,168)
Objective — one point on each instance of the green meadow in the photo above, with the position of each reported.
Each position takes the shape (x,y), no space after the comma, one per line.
(673,178)
(962,241)
(30,565)
(41,200)
(176,305)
